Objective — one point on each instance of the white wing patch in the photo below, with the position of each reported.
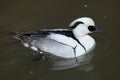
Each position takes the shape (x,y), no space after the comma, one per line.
(63,39)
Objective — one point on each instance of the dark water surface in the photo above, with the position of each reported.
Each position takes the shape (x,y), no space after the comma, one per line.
(17,62)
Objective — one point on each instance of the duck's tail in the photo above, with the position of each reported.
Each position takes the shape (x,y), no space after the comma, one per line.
(17,35)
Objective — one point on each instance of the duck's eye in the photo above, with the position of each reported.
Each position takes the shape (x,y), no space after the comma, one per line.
(91,28)
(76,24)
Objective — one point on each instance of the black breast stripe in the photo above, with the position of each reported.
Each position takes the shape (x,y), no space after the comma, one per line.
(80,44)
(70,34)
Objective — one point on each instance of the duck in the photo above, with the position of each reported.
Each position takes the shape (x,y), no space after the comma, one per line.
(64,43)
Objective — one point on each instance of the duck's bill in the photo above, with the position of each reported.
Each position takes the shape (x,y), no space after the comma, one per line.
(98,30)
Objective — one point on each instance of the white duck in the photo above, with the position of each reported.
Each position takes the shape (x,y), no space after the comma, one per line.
(62,42)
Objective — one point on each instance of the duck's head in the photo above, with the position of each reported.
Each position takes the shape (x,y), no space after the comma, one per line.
(83,26)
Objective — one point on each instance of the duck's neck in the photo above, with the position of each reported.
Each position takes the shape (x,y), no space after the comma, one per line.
(77,37)
(77,34)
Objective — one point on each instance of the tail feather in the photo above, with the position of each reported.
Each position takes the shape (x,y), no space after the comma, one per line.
(16,35)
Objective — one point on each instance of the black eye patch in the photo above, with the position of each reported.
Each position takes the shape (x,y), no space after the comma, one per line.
(91,28)
(76,24)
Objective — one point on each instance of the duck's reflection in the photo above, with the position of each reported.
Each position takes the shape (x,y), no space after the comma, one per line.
(82,62)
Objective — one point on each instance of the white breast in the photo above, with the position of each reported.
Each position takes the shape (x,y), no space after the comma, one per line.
(88,42)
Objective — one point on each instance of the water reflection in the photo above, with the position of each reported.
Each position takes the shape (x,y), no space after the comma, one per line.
(82,62)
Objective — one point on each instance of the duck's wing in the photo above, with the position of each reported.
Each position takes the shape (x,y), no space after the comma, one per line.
(41,34)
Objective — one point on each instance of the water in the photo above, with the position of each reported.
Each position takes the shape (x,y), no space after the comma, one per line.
(17,62)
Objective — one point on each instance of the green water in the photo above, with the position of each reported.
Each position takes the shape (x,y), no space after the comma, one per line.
(17,62)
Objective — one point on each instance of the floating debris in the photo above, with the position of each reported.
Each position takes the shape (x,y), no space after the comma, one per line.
(31,72)
(85,5)
(104,16)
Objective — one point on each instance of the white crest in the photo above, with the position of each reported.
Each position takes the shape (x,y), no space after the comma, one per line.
(86,20)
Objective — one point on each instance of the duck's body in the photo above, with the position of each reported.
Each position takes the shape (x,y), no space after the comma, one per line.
(60,42)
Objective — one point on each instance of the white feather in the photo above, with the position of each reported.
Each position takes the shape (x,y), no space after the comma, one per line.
(34,48)
(63,39)
(26,44)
